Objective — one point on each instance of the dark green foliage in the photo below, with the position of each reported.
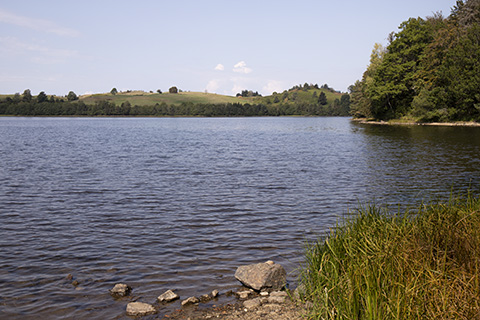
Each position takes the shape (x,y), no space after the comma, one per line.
(322,99)
(42,97)
(72,96)
(429,71)
(173,90)
(340,107)
(27,95)
(248,93)
(114,91)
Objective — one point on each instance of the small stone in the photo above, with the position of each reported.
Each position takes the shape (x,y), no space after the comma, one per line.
(278,297)
(279,294)
(278,300)
(264,293)
(139,309)
(168,296)
(270,262)
(272,307)
(215,293)
(253,303)
(205,298)
(69,277)
(120,290)
(243,294)
(191,300)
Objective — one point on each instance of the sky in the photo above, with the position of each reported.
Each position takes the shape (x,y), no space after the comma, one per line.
(217,46)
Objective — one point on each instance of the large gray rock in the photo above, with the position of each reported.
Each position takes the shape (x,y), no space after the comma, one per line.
(262,276)
(139,309)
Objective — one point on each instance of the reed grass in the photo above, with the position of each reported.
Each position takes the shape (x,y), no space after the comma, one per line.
(419,264)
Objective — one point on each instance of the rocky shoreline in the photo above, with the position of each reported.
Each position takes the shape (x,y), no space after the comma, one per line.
(264,296)
(411,123)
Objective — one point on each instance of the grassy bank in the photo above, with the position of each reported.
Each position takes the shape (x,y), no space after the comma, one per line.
(405,266)
(142,98)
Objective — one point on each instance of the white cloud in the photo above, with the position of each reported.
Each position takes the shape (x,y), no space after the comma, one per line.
(36,24)
(220,67)
(213,86)
(273,86)
(241,67)
(237,89)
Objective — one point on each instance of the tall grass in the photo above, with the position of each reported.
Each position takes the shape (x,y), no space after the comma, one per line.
(422,264)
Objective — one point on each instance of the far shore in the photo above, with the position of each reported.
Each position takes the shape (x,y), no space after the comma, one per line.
(412,123)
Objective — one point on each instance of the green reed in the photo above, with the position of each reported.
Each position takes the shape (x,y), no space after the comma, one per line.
(421,264)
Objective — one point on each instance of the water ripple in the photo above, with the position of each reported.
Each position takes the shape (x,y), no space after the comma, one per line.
(180,203)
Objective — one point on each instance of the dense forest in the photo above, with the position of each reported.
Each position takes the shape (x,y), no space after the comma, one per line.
(306,100)
(429,71)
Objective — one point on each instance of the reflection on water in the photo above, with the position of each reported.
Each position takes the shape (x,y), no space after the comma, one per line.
(179,203)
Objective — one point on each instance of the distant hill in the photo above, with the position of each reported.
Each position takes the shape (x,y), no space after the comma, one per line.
(142,98)
(308,96)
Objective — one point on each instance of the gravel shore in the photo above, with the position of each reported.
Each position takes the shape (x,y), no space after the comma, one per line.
(285,311)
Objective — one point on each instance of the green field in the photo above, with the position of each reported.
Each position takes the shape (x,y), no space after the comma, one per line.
(148,99)
(142,98)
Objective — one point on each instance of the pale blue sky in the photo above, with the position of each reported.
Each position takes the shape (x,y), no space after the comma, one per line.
(219,46)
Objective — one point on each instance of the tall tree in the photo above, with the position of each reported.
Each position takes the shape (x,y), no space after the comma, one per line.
(27,95)
(322,98)
(392,91)
(42,97)
(72,96)
(361,103)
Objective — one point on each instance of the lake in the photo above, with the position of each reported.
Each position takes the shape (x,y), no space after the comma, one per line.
(180,203)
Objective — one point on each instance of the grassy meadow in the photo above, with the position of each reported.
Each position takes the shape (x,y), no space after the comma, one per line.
(421,264)
(142,98)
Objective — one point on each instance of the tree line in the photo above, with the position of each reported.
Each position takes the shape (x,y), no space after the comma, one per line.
(292,102)
(105,108)
(429,71)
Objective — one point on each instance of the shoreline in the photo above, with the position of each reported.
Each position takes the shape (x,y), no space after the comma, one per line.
(411,123)
(289,310)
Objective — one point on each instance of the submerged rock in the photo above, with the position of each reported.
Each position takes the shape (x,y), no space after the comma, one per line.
(120,290)
(262,276)
(191,300)
(214,293)
(139,309)
(168,296)
(205,298)
(243,294)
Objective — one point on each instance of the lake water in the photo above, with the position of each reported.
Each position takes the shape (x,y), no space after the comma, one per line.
(179,203)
